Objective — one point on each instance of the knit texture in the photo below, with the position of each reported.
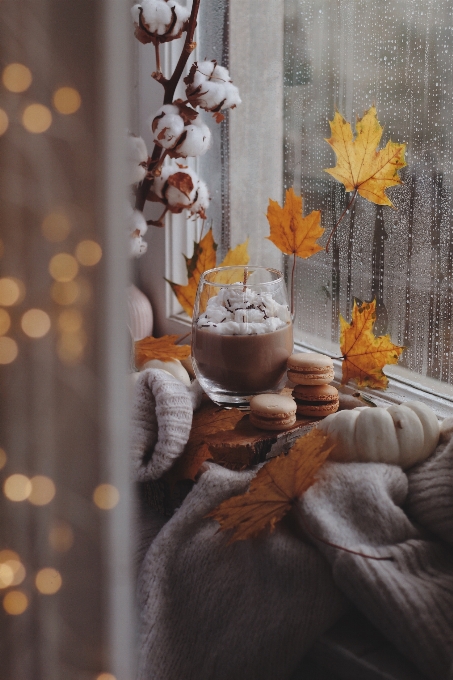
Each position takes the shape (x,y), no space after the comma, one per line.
(250,610)
(161,420)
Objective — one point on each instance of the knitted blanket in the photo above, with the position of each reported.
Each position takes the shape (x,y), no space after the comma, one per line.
(251,610)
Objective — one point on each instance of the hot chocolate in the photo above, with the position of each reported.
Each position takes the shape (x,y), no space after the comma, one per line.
(242,341)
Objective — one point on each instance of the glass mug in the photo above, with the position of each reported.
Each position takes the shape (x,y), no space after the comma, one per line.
(242,333)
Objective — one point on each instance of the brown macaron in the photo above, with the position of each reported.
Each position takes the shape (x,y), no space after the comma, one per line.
(310,368)
(272,411)
(316,400)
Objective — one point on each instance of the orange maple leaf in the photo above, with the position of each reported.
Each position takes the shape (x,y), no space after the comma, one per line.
(290,232)
(364,354)
(360,167)
(163,348)
(203,258)
(274,490)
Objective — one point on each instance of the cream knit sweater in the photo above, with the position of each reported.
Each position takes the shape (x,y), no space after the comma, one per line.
(251,610)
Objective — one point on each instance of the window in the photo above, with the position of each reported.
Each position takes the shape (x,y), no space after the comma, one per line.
(296,63)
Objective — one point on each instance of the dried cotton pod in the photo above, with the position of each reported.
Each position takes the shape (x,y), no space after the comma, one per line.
(159,21)
(180,188)
(210,87)
(137,159)
(136,228)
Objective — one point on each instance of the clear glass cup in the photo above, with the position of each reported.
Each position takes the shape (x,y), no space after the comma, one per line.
(242,333)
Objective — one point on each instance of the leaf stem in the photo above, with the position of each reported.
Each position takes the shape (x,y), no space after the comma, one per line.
(293,271)
(354,195)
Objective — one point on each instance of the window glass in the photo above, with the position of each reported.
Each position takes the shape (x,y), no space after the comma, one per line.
(349,54)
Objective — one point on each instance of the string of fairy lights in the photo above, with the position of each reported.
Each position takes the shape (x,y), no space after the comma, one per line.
(69,292)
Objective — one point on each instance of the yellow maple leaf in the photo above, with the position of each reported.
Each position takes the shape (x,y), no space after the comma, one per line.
(163,348)
(292,233)
(364,354)
(360,167)
(203,258)
(274,490)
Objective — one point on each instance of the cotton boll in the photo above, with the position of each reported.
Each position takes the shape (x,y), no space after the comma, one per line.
(135,222)
(137,246)
(137,158)
(210,86)
(167,126)
(161,20)
(196,140)
(201,203)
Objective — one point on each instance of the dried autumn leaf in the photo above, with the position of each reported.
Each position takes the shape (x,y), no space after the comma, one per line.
(208,420)
(163,348)
(290,232)
(360,167)
(203,258)
(274,490)
(364,354)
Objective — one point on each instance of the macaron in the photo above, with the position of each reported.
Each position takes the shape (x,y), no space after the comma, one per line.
(316,400)
(310,368)
(272,411)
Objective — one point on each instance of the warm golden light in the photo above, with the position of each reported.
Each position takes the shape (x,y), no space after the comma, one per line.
(35,323)
(15,602)
(56,227)
(3,459)
(71,346)
(18,570)
(6,555)
(4,122)
(88,253)
(48,581)
(12,291)
(16,77)
(42,490)
(5,321)
(6,575)
(67,100)
(85,290)
(64,293)
(61,537)
(106,496)
(36,118)
(8,350)
(105,676)
(70,320)
(63,267)
(17,487)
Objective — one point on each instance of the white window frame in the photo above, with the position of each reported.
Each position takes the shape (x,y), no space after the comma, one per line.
(166,246)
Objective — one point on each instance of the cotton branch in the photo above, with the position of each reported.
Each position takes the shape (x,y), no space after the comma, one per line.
(169,86)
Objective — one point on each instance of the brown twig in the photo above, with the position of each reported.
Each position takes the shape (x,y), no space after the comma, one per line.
(354,195)
(169,86)
(156,48)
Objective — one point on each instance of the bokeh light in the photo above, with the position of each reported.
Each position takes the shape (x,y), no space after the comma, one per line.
(6,555)
(3,458)
(88,253)
(67,100)
(70,320)
(56,227)
(17,487)
(48,581)
(18,571)
(61,537)
(15,602)
(71,346)
(6,575)
(106,496)
(4,122)
(64,293)
(35,323)
(42,490)
(12,291)
(16,77)
(8,350)
(36,118)
(12,571)
(105,676)
(63,267)
(5,321)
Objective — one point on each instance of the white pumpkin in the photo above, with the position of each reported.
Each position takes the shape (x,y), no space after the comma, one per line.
(400,435)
